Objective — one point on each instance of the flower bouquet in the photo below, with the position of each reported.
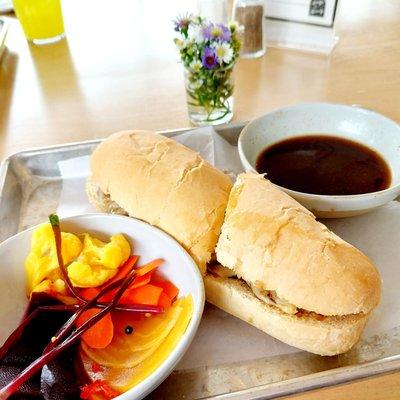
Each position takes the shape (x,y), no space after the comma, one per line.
(208,52)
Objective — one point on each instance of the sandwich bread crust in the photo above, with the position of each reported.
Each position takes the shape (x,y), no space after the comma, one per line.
(162,182)
(327,336)
(273,242)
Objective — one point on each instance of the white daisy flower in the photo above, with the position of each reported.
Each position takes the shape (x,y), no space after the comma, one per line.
(195,65)
(195,33)
(181,43)
(224,52)
(196,85)
(233,25)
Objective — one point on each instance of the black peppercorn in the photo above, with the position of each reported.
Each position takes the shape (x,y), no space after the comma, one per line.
(128,330)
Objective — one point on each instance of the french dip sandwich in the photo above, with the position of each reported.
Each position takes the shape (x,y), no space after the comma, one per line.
(278,268)
(160,181)
(287,274)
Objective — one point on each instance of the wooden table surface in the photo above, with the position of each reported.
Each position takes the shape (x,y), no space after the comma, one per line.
(118,69)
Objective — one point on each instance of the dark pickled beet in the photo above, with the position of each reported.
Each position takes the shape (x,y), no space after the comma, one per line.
(59,380)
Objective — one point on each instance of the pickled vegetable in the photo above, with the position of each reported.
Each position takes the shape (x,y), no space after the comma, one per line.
(149,346)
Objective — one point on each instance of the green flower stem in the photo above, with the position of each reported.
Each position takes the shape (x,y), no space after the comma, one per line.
(208,119)
(207,89)
(213,92)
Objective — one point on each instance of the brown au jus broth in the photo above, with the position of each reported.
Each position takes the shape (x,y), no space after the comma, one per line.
(325,165)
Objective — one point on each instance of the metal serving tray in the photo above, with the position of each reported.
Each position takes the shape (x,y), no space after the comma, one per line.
(30,187)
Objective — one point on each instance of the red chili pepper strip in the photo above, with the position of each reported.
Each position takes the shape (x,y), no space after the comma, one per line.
(164,300)
(98,387)
(124,269)
(168,287)
(145,269)
(68,326)
(147,294)
(96,368)
(55,224)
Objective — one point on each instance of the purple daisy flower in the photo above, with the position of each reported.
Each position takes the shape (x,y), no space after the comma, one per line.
(209,58)
(226,33)
(182,22)
(207,32)
(217,32)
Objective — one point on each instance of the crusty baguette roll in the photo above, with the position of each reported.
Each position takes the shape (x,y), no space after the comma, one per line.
(325,336)
(287,274)
(271,241)
(162,182)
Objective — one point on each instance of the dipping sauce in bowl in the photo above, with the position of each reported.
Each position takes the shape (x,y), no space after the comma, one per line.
(325,165)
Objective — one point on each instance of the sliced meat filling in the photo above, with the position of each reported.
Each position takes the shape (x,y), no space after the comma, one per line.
(110,205)
(269,297)
(220,271)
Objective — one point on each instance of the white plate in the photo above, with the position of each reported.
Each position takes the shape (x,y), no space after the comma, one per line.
(147,241)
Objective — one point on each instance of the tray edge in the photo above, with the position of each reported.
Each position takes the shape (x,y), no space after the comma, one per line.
(317,380)
(267,391)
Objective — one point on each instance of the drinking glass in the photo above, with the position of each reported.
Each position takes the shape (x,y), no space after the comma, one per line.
(41,20)
(249,14)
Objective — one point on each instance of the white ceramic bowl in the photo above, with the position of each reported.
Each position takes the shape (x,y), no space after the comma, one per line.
(148,241)
(358,124)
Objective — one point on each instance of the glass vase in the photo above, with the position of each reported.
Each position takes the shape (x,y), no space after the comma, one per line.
(209,96)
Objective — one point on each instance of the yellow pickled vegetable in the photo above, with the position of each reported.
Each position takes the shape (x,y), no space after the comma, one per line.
(85,275)
(90,264)
(151,342)
(55,289)
(152,363)
(98,261)
(123,244)
(42,259)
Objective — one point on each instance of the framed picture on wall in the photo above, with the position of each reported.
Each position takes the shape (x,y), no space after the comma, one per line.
(305,25)
(315,12)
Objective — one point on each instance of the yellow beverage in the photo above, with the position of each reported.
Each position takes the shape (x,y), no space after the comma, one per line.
(41,20)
